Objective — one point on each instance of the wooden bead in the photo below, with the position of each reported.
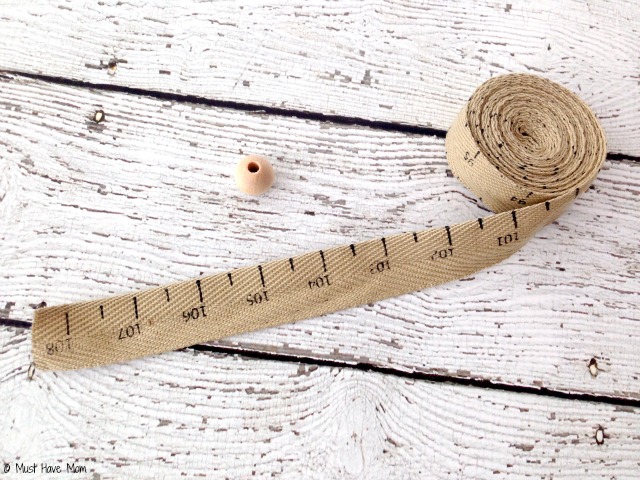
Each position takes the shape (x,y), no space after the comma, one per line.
(254,175)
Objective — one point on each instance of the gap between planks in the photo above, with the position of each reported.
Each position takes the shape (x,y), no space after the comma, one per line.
(370,367)
(249,107)
(296,418)
(408,62)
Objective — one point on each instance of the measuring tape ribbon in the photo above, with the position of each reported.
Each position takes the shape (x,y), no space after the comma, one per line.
(525,145)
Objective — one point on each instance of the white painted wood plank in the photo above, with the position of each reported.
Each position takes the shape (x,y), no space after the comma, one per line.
(148,197)
(216,416)
(404,61)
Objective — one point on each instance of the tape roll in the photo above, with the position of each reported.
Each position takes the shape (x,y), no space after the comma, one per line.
(525,145)
(522,140)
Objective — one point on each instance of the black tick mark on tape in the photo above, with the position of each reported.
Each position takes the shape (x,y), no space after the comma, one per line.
(135,306)
(200,290)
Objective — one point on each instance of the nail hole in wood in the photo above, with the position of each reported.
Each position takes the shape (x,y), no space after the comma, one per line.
(98,116)
(600,436)
(593,367)
(112,66)
(253,167)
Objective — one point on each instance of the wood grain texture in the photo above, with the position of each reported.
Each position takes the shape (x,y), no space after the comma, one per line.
(204,415)
(147,197)
(413,62)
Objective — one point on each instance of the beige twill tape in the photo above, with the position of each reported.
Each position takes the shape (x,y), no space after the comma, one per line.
(525,145)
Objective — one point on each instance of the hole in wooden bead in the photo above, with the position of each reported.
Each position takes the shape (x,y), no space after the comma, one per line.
(254,175)
(593,367)
(600,436)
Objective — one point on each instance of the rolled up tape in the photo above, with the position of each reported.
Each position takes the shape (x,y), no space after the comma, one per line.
(522,140)
(525,145)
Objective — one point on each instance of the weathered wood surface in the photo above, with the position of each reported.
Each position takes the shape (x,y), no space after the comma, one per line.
(412,62)
(147,198)
(233,417)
